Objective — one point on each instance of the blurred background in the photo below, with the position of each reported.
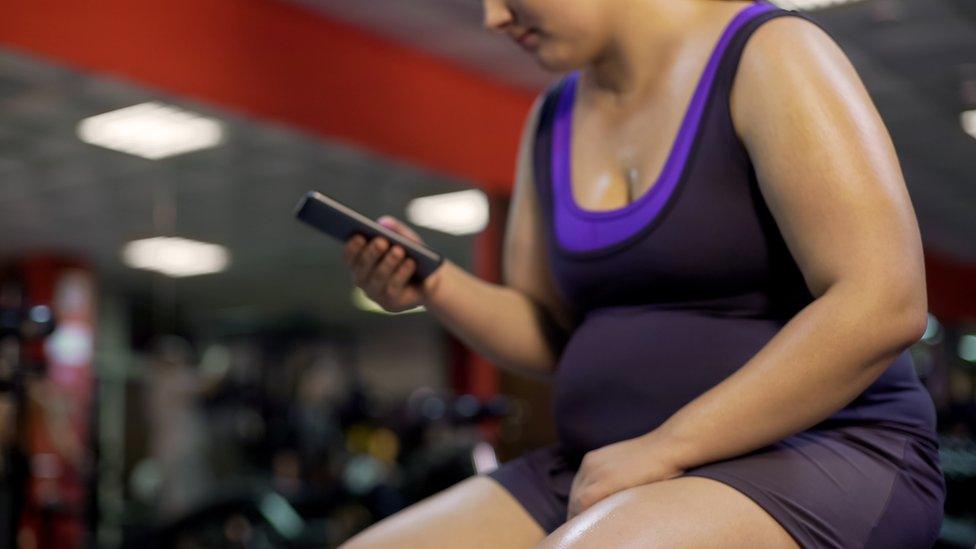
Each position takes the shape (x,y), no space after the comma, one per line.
(184,364)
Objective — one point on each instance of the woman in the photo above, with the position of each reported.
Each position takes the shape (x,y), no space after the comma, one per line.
(712,252)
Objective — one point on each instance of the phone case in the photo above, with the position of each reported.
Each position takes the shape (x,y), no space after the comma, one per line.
(340,221)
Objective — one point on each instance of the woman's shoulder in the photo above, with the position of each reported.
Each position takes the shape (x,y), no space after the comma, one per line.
(790,40)
(790,56)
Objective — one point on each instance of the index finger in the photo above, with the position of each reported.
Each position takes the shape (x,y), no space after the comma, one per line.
(352,248)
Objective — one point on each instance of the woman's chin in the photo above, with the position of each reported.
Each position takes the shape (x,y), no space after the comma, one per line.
(554,64)
(558,68)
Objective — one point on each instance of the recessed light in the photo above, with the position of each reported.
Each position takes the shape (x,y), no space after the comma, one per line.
(462,212)
(968,120)
(811,5)
(175,257)
(967,347)
(151,130)
(933,329)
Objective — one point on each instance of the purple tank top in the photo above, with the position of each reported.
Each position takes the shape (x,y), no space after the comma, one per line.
(583,230)
(678,289)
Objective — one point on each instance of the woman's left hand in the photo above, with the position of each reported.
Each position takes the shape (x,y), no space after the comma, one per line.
(619,466)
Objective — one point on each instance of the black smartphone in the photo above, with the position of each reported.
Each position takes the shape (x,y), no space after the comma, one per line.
(340,221)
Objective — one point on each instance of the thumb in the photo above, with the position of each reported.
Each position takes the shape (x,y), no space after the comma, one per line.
(399,227)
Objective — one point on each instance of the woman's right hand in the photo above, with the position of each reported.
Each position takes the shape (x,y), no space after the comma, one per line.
(383,272)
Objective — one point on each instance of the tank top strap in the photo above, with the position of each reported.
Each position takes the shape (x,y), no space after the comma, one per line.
(734,49)
(542,148)
(728,68)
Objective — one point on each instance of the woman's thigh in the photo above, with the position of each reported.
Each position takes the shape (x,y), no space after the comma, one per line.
(687,512)
(476,512)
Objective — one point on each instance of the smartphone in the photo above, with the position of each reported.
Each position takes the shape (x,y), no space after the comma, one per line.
(340,221)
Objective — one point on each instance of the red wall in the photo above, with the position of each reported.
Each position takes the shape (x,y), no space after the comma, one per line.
(283,62)
(952,288)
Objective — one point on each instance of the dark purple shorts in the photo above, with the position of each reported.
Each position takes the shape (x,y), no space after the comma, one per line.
(851,486)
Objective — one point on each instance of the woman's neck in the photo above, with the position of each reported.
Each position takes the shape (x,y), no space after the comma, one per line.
(647,37)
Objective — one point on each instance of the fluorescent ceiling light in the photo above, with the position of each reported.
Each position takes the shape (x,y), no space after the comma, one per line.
(462,212)
(811,5)
(967,348)
(151,130)
(932,329)
(175,257)
(363,302)
(484,458)
(968,120)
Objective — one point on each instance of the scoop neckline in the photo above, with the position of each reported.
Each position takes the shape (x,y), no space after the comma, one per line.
(680,147)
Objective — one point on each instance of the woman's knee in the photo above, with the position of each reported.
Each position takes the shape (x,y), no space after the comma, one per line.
(477,510)
(681,512)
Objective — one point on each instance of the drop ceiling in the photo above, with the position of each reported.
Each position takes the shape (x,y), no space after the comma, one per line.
(72,199)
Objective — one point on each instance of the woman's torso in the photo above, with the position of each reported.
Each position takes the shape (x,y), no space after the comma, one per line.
(679,288)
(610,140)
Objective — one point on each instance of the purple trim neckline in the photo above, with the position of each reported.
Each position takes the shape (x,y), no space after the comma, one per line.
(577,232)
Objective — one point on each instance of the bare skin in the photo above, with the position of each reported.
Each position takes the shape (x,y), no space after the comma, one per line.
(672,513)
(474,513)
(827,170)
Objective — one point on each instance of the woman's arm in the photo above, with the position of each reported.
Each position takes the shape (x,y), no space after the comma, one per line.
(519,325)
(828,172)
(498,322)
